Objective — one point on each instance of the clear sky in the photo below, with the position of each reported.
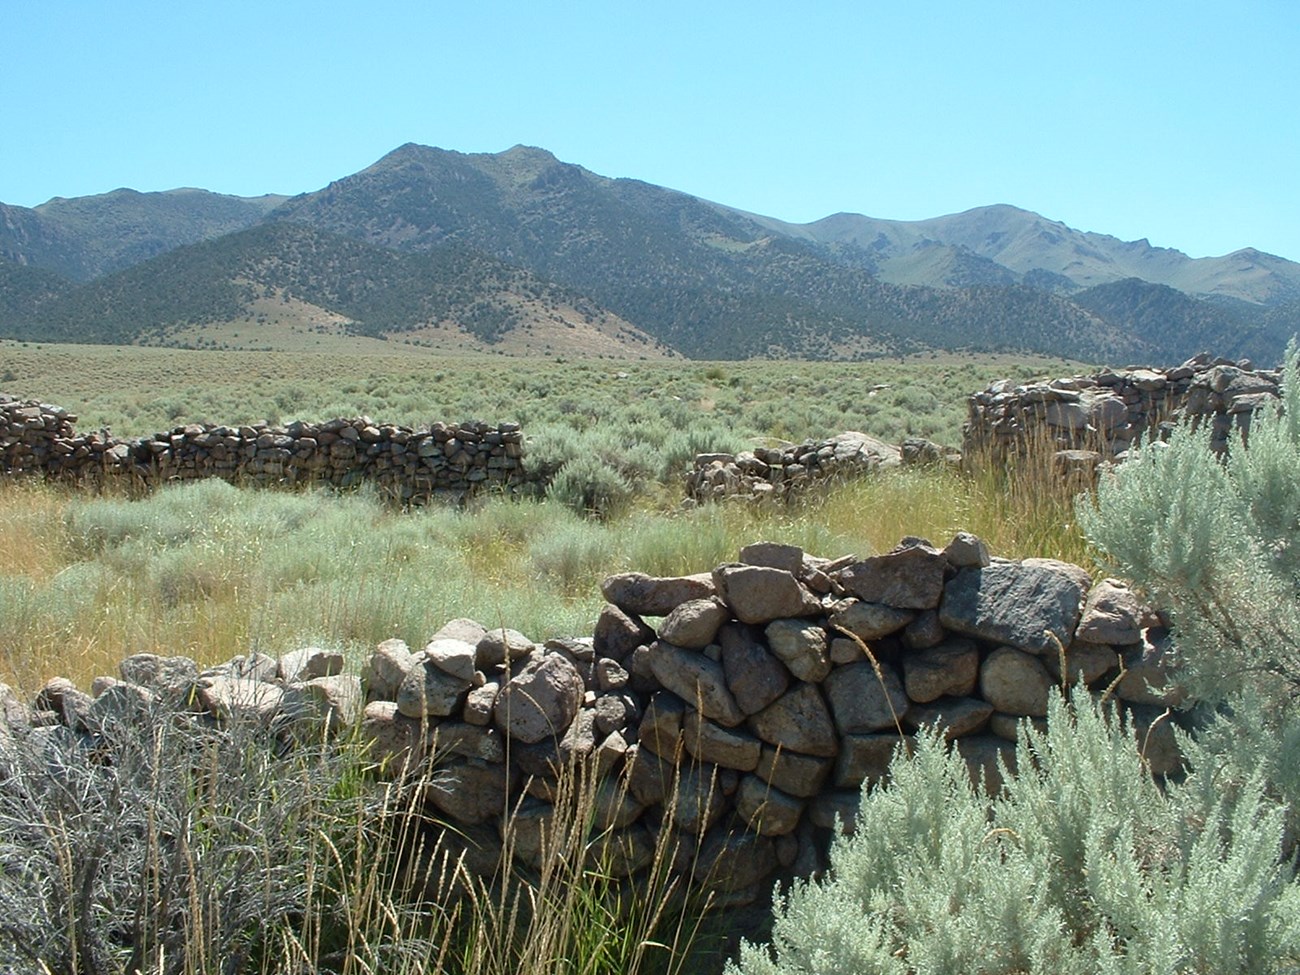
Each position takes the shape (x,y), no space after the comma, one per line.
(1174,121)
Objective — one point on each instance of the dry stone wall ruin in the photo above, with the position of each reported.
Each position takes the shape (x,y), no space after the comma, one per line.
(1090,419)
(410,466)
(736,713)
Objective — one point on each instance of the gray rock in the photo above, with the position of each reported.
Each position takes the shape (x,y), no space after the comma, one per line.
(1015,682)
(170,676)
(798,721)
(227,697)
(697,680)
(661,724)
(479,703)
(540,701)
(611,713)
(801,646)
(694,623)
(1032,605)
(863,701)
(736,865)
(1112,613)
(754,676)
(765,809)
(909,577)
(924,632)
(467,630)
(456,739)
(387,667)
(846,651)
(649,778)
(623,852)
(471,791)
(611,753)
(1089,661)
(774,555)
(396,742)
(950,668)
(957,716)
(793,773)
(638,594)
(309,662)
(1008,725)
(868,621)
(967,551)
(866,758)
(123,702)
(253,666)
(1153,729)
(614,807)
(324,705)
(1149,673)
(501,645)
(617,633)
(725,747)
(758,594)
(454,657)
(611,675)
(698,802)
(429,691)
(837,810)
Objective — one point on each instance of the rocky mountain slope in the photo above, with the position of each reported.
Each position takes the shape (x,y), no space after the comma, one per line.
(427,236)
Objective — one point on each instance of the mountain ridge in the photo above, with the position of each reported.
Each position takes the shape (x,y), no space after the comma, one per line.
(702,278)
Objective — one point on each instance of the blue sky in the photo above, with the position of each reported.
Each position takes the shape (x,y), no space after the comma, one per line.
(1179,122)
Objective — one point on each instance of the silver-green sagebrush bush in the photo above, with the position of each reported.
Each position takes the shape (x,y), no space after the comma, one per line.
(1216,542)
(1083,864)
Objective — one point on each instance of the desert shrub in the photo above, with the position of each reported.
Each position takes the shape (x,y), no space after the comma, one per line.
(588,486)
(1083,864)
(1213,541)
(164,845)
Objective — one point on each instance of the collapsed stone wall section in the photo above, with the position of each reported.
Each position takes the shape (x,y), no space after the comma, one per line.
(408,465)
(1096,418)
(741,709)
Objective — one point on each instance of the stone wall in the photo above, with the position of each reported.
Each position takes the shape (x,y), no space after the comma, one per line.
(410,466)
(783,471)
(1102,414)
(742,708)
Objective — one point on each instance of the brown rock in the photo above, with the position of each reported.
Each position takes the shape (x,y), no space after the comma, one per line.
(757,594)
(754,677)
(725,747)
(766,809)
(1112,613)
(801,646)
(798,721)
(866,758)
(617,633)
(863,701)
(798,775)
(949,668)
(387,668)
(694,623)
(1015,682)
(909,577)
(638,594)
(540,701)
(697,680)
(868,621)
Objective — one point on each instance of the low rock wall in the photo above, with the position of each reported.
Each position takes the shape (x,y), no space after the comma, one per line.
(743,708)
(409,466)
(784,471)
(1103,414)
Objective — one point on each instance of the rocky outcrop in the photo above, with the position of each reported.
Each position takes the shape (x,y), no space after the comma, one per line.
(407,465)
(742,709)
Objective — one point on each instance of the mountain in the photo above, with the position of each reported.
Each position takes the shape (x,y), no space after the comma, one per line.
(1023,243)
(491,244)
(89,236)
(293,276)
